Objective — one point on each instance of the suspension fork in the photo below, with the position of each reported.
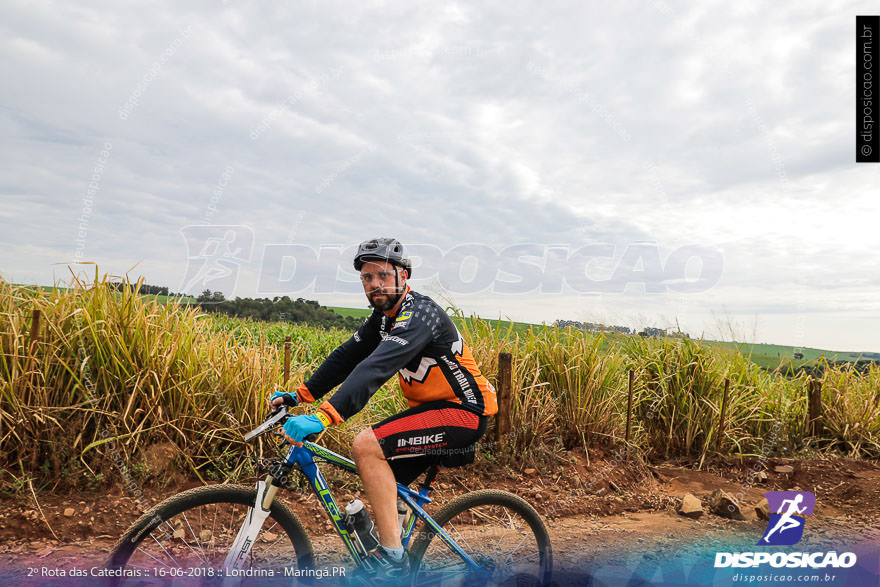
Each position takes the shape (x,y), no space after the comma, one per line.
(253,522)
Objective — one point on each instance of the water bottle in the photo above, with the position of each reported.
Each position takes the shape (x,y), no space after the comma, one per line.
(360,523)
(402,512)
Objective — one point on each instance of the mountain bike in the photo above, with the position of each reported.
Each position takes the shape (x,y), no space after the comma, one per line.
(228,533)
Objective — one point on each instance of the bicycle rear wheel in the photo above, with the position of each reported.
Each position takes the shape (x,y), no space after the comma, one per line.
(189,535)
(500,531)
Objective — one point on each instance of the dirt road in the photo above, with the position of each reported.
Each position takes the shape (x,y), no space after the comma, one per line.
(611,519)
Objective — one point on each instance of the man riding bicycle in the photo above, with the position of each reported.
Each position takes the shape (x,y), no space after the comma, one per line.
(449,398)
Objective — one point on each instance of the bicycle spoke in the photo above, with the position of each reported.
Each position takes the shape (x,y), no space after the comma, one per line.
(197,539)
(510,519)
(498,542)
(199,529)
(213,529)
(152,557)
(173,530)
(163,548)
(533,557)
(467,547)
(518,546)
(172,538)
(497,535)
(450,569)
(277,540)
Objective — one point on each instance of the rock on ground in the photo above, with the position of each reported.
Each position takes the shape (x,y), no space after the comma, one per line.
(762,509)
(725,505)
(690,507)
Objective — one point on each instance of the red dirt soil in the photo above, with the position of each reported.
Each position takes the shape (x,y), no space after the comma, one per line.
(589,506)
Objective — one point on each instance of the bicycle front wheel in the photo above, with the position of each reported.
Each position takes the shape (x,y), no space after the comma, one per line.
(190,534)
(501,532)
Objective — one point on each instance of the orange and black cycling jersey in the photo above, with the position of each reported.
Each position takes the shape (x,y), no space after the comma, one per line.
(421,344)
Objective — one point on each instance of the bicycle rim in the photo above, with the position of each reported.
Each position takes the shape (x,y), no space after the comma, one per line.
(499,531)
(189,536)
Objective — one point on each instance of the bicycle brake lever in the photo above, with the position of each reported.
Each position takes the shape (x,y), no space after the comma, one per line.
(313,438)
(278,415)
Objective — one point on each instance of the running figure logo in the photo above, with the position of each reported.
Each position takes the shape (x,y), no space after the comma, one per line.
(787,511)
(214,255)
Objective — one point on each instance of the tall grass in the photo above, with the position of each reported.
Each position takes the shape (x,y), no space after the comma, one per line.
(117,370)
(852,409)
(580,380)
(115,373)
(533,406)
(680,394)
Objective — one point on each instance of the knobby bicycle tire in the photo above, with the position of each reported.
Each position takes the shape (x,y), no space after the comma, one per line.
(488,497)
(233,495)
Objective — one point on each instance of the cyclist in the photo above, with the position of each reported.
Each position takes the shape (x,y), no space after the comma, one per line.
(449,398)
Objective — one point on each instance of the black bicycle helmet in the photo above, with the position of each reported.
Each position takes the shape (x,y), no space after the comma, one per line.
(382,249)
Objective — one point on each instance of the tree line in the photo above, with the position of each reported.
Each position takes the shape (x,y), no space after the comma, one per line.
(278,309)
(146,289)
(648,331)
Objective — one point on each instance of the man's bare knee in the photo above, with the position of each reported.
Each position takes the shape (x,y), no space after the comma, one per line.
(366,445)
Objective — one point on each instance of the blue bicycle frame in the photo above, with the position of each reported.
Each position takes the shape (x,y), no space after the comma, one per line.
(304,458)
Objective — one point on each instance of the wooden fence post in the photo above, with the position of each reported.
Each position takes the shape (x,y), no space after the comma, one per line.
(33,339)
(814,397)
(505,381)
(629,406)
(35,330)
(723,415)
(286,359)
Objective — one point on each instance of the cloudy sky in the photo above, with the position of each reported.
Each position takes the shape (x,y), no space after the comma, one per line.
(636,163)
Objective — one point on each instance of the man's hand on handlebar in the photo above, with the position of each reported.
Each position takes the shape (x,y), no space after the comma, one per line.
(288,398)
(296,429)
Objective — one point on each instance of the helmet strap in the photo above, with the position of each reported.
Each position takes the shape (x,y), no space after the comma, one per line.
(396,286)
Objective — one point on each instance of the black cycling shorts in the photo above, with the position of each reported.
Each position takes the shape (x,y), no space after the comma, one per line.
(416,438)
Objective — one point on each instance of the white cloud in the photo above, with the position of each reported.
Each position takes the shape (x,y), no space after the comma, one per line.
(725,126)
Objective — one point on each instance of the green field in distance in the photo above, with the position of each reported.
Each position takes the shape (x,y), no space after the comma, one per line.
(764,355)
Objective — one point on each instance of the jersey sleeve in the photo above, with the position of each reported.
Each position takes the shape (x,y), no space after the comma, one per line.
(344,358)
(407,339)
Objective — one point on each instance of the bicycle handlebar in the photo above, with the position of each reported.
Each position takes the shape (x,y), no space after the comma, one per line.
(274,419)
